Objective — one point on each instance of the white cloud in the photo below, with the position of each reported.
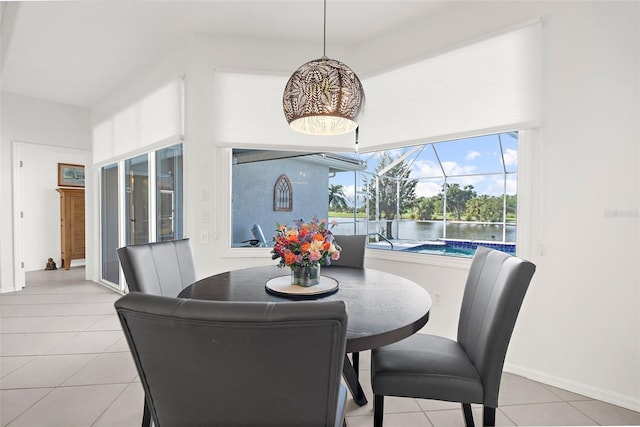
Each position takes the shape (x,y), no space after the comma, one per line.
(427,189)
(495,186)
(349,193)
(422,168)
(476,181)
(454,168)
(472,155)
(510,157)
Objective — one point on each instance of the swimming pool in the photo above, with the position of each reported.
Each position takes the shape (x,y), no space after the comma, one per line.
(459,248)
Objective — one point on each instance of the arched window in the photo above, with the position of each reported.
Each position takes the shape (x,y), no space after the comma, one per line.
(283,194)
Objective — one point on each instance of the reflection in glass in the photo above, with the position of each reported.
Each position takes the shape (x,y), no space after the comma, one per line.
(109,222)
(137,199)
(169,193)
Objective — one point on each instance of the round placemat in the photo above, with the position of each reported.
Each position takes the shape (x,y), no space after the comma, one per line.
(282,286)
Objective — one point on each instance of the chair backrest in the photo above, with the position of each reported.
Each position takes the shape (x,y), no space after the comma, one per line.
(161,268)
(237,363)
(493,295)
(353,249)
(256,230)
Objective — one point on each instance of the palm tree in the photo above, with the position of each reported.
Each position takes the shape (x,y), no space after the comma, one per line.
(424,208)
(337,198)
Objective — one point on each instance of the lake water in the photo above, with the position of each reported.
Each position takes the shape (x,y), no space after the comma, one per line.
(429,230)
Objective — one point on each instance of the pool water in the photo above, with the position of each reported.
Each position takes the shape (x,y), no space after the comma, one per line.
(467,250)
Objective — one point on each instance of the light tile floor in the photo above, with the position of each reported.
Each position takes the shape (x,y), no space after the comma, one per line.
(64,362)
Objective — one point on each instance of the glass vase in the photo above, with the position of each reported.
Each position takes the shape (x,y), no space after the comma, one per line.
(305,275)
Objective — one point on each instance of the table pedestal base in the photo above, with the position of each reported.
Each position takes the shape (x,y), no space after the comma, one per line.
(350,376)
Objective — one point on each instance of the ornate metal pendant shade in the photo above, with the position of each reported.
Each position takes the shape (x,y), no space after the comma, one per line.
(323,97)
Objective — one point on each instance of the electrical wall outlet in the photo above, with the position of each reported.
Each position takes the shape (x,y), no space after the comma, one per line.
(437,298)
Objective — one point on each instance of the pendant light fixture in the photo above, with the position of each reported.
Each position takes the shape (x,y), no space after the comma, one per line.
(323,96)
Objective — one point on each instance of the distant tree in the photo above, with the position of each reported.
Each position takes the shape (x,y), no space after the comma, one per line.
(512,206)
(438,204)
(388,190)
(457,197)
(423,209)
(492,209)
(474,207)
(337,198)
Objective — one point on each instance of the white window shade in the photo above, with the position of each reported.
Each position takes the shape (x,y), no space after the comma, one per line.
(151,120)
(248,112)
(160,115)
(490,85)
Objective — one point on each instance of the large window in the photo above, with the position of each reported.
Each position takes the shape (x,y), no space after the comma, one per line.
(441,197)
(437,198)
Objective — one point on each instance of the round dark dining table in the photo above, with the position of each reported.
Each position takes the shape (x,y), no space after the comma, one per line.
(382,307)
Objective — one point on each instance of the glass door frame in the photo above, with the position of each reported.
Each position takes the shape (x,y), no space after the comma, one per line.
(123,199)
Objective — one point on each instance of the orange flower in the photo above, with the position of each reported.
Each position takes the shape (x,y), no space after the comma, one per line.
(326,246)
(289,258)
(305,247)
(318,237)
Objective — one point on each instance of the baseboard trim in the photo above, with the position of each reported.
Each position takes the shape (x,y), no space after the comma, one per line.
(628,402)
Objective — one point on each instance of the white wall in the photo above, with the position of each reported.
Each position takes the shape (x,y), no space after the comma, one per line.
(35,121)
(579,326)
(586,289)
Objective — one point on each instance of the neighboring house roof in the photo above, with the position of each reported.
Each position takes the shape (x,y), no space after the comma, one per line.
(335,162)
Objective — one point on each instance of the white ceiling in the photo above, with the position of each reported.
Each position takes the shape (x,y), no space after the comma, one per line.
(74,52)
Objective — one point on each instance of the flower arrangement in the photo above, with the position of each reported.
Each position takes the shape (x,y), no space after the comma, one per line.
(305,245)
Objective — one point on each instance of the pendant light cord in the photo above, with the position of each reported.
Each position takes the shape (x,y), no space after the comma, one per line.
(324,27)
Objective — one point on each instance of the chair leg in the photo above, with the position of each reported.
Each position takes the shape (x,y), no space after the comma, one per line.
(489,417)
(146,415)
(378,410)
(468,415)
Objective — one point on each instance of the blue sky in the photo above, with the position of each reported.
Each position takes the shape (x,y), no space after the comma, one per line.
(458,158)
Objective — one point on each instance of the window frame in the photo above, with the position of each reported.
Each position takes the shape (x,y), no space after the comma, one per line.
(527,155)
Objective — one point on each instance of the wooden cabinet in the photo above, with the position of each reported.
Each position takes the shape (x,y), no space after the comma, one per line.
(71,225)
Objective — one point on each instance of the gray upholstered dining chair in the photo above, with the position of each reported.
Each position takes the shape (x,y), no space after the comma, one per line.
(353,250)
(351,255)
(469,369)
(160,268)
(218,363)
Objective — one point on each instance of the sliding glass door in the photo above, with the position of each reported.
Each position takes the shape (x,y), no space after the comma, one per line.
(109,223)
(169,193)
(137,199)
(141,202)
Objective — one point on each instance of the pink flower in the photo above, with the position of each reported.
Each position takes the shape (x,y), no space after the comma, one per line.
(335,255)
(315,255)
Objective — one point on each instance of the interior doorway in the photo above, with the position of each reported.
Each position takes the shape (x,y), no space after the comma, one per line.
(36,205)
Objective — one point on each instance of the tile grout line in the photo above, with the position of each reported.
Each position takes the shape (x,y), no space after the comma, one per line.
(32,405)
(583,413)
